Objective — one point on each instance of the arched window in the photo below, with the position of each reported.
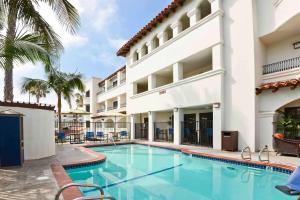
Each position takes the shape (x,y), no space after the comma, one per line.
(205,8)
(144,50)
(169,32)
(155,42)
(135,56)
(185,21)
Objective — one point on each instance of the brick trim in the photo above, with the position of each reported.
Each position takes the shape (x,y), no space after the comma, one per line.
(27,105)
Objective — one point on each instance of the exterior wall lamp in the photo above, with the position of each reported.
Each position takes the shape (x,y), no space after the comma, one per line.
(296,45)
(217,105)
(175,109)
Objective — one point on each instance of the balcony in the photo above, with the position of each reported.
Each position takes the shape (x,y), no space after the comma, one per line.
(123,105)
(281,66)
(101,110)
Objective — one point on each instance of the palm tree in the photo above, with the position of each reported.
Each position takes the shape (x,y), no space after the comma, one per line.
(64,85)
(35,87)
(25,12)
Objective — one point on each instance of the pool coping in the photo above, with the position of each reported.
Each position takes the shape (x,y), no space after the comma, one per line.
(62,178)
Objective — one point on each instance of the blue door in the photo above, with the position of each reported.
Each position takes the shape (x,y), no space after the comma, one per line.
(10,141)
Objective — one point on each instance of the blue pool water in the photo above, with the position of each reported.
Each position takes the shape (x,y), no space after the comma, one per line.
(137,172)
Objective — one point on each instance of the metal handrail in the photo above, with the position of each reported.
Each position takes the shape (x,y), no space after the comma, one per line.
(102,196)
(264,150)
(245,150)
(282,65)
(96,198)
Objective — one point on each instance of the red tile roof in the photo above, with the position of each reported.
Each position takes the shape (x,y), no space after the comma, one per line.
(275,86)
(171,8)
(112,75)
(27,105)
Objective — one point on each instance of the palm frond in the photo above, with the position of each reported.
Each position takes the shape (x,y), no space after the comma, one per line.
(67,14)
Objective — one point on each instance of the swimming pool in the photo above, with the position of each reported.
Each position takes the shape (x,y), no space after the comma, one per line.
(138,172)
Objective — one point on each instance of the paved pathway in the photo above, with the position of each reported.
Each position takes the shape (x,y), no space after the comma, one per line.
(34,181)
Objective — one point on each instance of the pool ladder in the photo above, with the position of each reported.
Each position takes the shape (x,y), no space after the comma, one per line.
(101,197)
(264,150)
(244,151)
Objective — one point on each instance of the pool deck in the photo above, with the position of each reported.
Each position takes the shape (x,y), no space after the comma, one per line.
(37,180)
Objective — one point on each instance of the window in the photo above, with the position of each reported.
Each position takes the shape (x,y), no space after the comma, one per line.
(87,94)
(205,8)
(115,104)
(185,21)
(87,108)
(169,32)
(115,83)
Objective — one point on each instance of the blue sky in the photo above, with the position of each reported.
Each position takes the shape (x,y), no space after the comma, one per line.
(105,26)
(113,22)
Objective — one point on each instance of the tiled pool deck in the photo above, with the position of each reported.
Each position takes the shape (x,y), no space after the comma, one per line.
(36,180)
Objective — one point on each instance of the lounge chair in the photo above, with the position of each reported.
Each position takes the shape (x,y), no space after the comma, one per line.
(90,136)
(61,137)
(101,136)
(293,185)
(124,135)
(287,146)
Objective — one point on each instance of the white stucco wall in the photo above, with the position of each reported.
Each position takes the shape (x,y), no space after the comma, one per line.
(39,129)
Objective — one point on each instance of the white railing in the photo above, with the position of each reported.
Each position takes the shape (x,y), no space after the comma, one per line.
(282,66)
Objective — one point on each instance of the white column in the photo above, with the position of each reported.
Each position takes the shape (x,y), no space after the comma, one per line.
(119,78)
(132,127)
(178,119)
(177,28)
(106,105)
(149,45)
(215,5)
(140,53)
(151,81)
(106,84)
(119,101)
(134,89)
(194,16)
(177,72)
(152,118)
(217,57)
(132,58)
(162,36)
(217,125)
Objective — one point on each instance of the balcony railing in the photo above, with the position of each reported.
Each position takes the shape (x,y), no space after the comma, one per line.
(123,105)
(111,87)
(282,66)
(122,81)
(112,108)
(101,110)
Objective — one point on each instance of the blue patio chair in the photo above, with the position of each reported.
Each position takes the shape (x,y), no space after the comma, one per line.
(187,135)
(124,134)
(101,136)
(90,136)
(61,137)
(209,132)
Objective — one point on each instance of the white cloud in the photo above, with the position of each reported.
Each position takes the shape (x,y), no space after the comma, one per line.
(67,39)
(100,12)
(117,42)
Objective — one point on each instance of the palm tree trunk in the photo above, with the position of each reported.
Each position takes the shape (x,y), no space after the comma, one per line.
(59,111)
(10,34)
(37,99)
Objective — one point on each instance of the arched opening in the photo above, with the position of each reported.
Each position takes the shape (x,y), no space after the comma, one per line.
(185,21)
(287,120)
(169,32)
(144,50)
(122,122)
(205,9)
(135,56)
(155,42)
(109,123)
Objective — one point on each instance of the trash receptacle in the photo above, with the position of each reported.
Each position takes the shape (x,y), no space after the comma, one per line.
(230,140)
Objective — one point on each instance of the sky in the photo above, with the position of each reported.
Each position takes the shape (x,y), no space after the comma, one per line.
(105,26)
